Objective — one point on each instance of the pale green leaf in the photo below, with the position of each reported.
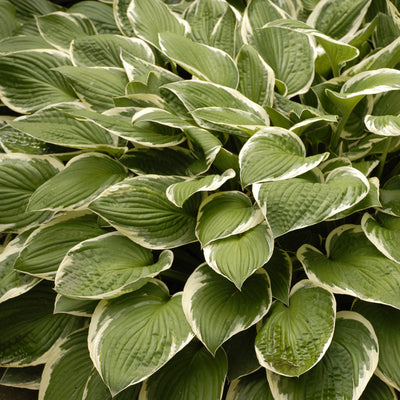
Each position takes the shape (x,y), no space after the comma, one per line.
(54,126)
(8,20)
(339,19)
(289,53)
(120,8)
(96,86)
(14,44)
(202,61)
(80,308)
(13,283)
(238,256)
(217,310)
(274,154)
(162,117)
(279,269)
(30,330)
(26,378)
(105,50)
(45,248)
(134,335)
(60,28)
(179,192)
(107,266)
(384,234)
(306,200)
(256,77)
(386,323)
(353,266)
(192,374)
(250,387)
(294,338)
(343,372)
(151,17)
(224,214)
(314,122)
(28,81)
(83,179)
(20,176)
(139,209)
(383,125)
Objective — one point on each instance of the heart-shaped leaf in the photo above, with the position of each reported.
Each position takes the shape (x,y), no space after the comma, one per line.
(179,192)
(107,266)
(45,248)
(384,235)
(306,200)
(217,310)
(139,209)
(239,256)
(386,323)
(225,214)
(175,381)
(294,338)
(275,154)
(134,335)
(345,370)
(353,266)
(202,61)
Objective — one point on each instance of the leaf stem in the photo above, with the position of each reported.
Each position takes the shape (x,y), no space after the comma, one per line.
(383,157)
(336,136)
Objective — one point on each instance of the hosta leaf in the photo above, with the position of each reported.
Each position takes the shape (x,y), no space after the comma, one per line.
(275,154)
(339,19)
(192,374)
(120,8)
(289,53)
(26,378)
(14,44)
(107,266)
(45,248)
(295,337)
(383,125)
(198,94)
(151,17)
(217,310)
(30,329)
(60,28)
(386,323)
(67,369)
(239,256)
(29,82)
(345,369)
(133,336)
(162,117)
(279,269)
(96,86)
(256,77)
(79,183)
(25,10)
(80,308)
(104,50)
(384,235)
(8,20)
(303,201)
(202,61)
(353,266)
(13,283)
(225,214)
(54,126)
(250,387)
(139,209)
(389,195)
(100,14)
(378,390)
(20,176)
(144,134)
(179,192)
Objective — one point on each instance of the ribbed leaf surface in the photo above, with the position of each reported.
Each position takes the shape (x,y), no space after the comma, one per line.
(217,310)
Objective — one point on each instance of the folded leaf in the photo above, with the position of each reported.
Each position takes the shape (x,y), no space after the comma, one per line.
(107,266)
(383,125)
(293,339)
(353,266)
(133,336)
(217,310)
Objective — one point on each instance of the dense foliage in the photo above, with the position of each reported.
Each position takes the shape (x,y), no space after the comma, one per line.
(200,200)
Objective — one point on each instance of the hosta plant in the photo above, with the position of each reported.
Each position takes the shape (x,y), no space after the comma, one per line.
(200,200)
